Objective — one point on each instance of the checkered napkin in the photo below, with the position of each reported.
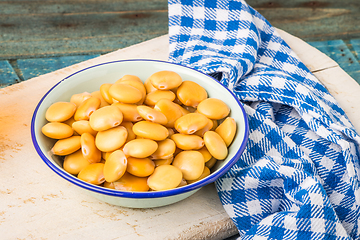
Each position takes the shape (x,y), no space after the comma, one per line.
(299,175)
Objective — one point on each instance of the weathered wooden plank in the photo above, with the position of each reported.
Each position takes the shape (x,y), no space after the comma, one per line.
(40,32)
(65,46)
(38,66)
(355,43)
(339,52)
(17,7)
(8,75)
(313,20)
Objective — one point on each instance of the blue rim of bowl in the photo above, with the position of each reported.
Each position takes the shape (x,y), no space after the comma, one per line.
(126,194)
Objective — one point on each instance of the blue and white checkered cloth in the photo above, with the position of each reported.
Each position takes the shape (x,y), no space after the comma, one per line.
(299,175)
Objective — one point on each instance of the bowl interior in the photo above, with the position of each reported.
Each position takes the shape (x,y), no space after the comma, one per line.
(90,79)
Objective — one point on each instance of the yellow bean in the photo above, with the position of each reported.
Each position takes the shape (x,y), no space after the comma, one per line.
(148,86)
(165,150)
(104,91)
(150,130)
(187,142)
(203,130)
(213,108)
(105,118)
(125,93)
(140,148)
(60,111)
(206,154)
(115,166)
(86,108)
(204,174)
(170,110)
(57,130)
(165,80)
(93,173)
(215,145)
(89,149)
(66,146)
(136,84)
(129,111)
(83,126)
(190,123)
(111,139)
(140,167)
(165,177)
(191,94)
(129,183)
(129,77)
(191,164)
(227,130)
(166,161)
(151,114)
(129,125)
(211,162)
(152,98)
(98,95)
(75,162)
(78,98)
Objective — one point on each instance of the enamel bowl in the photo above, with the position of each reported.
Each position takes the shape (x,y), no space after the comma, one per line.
(89,80)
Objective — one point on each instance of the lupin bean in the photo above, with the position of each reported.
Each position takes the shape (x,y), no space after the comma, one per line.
(191,93)
(151,114)
(165,80)
(111,139)
(227,130)
(89,149)
(140,167)
(170,110)
(78,98)
(129,111)
(191,164)
(125,93)
(150,130)
(105,118)
(215,145)
(187,142)
(213,108)
(60,111)
(115,166)
(66,146)
(140,148)
(190,123)
(57,130)
(93,173)
(75,162)
(130,183)
(83,126)
(165,177)
(86,108)
(165,150)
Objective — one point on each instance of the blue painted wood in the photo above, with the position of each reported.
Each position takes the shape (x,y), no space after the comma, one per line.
(339,52)
(38,66)
(355,43)
(8,75)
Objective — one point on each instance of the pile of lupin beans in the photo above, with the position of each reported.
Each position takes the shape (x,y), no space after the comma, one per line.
(134,136)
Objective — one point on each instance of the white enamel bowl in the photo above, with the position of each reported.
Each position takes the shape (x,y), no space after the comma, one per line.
(89,80)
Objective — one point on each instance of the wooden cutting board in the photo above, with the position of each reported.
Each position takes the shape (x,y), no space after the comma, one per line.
(37,204)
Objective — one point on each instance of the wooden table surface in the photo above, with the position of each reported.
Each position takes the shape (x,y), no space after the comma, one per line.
(38,37)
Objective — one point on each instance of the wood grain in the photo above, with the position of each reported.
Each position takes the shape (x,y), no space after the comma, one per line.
(321,20)
(58,28)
